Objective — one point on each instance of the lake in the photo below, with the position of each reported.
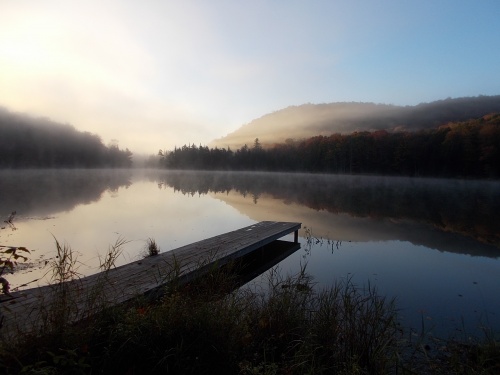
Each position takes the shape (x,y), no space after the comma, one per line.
(432,244)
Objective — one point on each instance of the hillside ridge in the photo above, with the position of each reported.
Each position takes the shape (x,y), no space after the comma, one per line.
(308,120)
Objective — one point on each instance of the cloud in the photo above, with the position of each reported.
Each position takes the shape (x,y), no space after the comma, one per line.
(135,68)
(124,71)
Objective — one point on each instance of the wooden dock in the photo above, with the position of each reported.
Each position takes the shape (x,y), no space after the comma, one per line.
(31,309)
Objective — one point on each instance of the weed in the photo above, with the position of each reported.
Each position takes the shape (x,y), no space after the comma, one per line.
(9,256)
(64,265)
(114,251)
(152,248)
(10,220)
(207,326)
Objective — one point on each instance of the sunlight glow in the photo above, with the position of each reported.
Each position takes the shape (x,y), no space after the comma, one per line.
(198,71)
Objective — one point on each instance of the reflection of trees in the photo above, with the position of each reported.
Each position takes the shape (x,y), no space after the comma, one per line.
(42,192)
(467,207)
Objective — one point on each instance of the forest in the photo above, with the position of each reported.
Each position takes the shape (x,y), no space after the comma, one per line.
(469,149)
(27,142)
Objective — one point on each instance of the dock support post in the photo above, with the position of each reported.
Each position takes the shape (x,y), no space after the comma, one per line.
(296,236)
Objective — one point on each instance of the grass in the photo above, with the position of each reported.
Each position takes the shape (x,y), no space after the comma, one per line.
(152,248)
(207,326)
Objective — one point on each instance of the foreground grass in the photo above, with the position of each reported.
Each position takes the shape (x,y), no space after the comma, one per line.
(287,328)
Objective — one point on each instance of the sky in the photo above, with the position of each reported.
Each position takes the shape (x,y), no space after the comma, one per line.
(156,74)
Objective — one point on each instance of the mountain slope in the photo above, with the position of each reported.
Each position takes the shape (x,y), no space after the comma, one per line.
(28,142)
(308,120)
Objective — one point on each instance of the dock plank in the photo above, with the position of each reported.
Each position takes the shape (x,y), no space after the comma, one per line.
(21,310)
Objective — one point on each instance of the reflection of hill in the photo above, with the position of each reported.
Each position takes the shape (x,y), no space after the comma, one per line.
(344,227)
(467,208)
(45,192)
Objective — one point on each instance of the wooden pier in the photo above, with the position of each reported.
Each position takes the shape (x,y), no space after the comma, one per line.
(30,309)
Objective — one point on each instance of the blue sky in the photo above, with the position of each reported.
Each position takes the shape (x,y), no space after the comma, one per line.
(155,74)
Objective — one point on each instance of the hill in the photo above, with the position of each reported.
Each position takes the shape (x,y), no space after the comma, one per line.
(467,149)
(308,120)
(28,142)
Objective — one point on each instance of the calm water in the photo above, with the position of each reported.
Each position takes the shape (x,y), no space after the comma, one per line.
(432,244)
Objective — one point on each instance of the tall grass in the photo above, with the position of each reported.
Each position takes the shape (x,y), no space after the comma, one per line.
(207,326)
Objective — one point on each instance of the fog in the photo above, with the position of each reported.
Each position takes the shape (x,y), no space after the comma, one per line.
(309,120)
(160,74)
(448,215)
(30,142)
(453,214)
(44,193)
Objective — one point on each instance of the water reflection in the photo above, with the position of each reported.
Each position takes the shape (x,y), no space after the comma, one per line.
(448,215)
(256,263)
(386,228)
(46,192)
(90,210)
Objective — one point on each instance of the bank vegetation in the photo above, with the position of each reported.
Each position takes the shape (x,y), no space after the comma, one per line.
(287,326)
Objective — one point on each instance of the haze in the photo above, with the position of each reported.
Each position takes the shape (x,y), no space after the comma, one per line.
(160,74)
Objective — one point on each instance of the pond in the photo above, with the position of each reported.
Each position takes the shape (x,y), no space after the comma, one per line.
(432,244)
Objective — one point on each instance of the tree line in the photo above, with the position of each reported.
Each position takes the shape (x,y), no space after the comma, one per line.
(26,142)
(466,149)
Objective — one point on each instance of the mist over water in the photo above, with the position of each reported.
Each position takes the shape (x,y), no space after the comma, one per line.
(433,244)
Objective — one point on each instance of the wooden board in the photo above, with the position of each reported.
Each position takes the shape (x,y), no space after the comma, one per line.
(32,308)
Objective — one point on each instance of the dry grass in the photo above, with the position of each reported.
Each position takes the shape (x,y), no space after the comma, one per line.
(207,326)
